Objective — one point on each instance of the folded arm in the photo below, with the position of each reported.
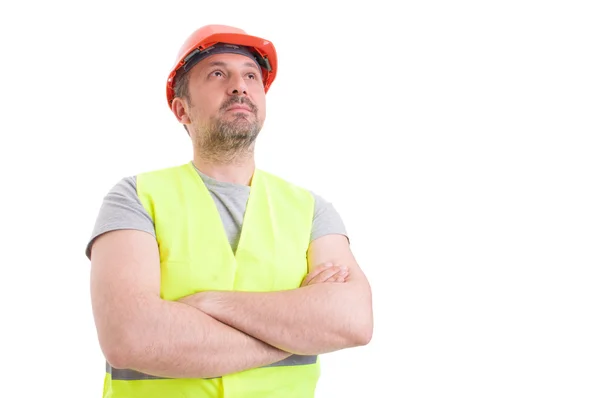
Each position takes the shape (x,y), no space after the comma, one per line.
(140,331)
(310,320)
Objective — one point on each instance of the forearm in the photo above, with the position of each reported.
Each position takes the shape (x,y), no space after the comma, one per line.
(311,320)
(173,339)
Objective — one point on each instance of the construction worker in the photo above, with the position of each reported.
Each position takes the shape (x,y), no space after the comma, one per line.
(215,278)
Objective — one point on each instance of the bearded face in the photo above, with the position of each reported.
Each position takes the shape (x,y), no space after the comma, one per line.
(226,107)
(233,130)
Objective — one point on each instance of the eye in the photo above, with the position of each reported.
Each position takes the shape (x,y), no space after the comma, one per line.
(217,73)
(252,75)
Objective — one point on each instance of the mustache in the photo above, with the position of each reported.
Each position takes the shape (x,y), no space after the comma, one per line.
(238,100)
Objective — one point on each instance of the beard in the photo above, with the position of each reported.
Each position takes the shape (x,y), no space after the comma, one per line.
(225,140)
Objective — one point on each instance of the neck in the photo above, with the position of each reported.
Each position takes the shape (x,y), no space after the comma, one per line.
(237,171)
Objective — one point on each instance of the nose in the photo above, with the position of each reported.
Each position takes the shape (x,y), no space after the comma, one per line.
(238,86)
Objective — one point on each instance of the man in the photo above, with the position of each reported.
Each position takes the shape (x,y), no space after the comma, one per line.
(215,278)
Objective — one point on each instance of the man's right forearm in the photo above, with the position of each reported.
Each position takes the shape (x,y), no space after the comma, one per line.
(175,340)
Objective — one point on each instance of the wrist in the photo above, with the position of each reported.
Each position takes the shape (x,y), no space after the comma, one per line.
(201,301)
(208,302)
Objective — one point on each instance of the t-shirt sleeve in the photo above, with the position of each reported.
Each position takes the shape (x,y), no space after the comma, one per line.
(121,209)
(326,219)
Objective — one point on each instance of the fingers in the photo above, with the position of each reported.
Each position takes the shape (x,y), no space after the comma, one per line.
(326,273)
(309,277)
(338,277)
(330,273)
(341,276)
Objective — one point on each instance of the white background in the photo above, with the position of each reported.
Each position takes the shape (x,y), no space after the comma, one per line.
(458,140)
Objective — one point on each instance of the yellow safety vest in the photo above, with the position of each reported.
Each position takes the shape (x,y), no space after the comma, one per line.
(195,255)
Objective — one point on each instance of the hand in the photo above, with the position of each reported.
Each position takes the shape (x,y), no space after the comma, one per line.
(324,273)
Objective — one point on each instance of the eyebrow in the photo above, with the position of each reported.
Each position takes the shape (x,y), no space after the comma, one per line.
(224,65)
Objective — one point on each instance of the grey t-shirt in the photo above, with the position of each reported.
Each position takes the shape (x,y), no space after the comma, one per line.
(122,209)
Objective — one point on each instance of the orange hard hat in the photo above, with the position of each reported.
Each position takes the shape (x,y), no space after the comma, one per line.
(207,36)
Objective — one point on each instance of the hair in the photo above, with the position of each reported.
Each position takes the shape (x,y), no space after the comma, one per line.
(181,86)
(182,90)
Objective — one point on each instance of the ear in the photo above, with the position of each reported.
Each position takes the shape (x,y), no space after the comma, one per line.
(179,107)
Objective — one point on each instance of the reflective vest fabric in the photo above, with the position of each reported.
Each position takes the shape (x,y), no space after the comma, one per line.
(195,255)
